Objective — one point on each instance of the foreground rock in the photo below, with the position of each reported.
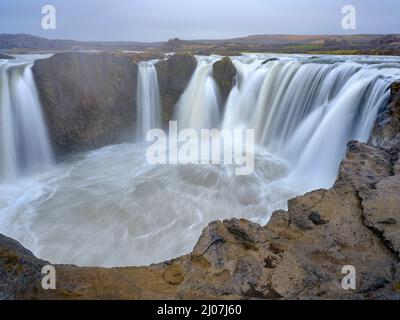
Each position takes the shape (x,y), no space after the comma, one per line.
(298,255)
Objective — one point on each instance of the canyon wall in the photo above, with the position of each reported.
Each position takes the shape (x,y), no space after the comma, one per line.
(89,99)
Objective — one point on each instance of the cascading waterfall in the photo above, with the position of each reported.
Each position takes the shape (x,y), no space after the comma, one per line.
(110,207)
(198,107)
(305,110)
(24,144)
(148,100)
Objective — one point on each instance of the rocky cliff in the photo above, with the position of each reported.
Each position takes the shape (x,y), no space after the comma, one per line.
(174,75)
(299,254)
(89,99)
(388,122)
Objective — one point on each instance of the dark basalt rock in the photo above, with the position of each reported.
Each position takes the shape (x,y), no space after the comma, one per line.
(6,57)
(272,59)
(316,218)
(224,73)
(88,99)
(174,75)
(387,125)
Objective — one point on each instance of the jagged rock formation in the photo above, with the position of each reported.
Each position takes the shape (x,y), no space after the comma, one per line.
(173,76)
(224,73)
(89,99)
(388,123)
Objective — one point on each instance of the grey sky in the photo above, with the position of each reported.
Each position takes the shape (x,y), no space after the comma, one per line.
(154,20)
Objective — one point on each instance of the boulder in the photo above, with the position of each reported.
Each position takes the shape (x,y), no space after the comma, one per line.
(89,99)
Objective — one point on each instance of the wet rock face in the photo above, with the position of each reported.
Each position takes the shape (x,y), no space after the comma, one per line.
(88,99)
(224,73)
(387,125)
(174,75)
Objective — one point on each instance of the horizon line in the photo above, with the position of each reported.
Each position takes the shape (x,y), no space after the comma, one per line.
(206,39)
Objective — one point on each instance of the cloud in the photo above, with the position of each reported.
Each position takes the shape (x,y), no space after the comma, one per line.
(154,20)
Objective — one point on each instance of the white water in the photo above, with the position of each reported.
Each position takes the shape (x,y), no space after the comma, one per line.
(24,143)
(305,110)
(198,108)
(109,207)
(148,100)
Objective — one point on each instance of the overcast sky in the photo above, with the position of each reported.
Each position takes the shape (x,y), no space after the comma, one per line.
(154,20)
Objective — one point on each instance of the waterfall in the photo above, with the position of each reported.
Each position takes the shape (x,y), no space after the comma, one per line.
(198,107)
(148,100)
(24,143)
(305,110)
